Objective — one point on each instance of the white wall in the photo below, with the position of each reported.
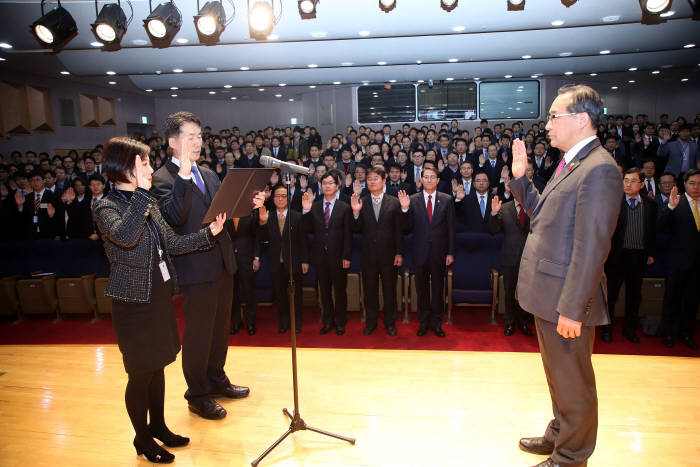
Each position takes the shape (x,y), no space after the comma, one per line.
(129,109)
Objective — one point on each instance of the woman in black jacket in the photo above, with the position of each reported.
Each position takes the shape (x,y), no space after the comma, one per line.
(142,279)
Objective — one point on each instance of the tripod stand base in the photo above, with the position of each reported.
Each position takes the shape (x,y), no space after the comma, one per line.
(298,424)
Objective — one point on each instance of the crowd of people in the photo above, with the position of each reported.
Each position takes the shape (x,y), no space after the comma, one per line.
(51,197)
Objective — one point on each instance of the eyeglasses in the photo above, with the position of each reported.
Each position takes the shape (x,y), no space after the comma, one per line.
(429,177)
(280,196)
(629,181)
(555,116)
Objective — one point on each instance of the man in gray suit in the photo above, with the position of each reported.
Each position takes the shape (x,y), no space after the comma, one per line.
(561,280)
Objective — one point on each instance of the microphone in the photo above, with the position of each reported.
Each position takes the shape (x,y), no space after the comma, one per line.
(268,161)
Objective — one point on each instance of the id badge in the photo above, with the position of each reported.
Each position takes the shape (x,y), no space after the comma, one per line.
(35,219)
(164,271)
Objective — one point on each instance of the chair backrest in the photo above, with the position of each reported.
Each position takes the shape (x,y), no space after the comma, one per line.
(37,296)
(104,304)
(476,255)
(9,302)
(76,294)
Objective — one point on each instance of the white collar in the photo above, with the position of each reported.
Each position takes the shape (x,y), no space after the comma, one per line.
(568,157)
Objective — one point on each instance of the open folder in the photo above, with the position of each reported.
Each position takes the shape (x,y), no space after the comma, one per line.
(236,193)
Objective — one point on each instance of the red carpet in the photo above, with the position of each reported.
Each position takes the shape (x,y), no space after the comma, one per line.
(470,331)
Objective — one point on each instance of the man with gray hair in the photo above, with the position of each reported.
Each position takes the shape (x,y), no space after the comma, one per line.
(561,280)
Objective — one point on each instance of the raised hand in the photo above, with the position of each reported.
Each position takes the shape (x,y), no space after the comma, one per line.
(505,172)
(19,199)
(356,203)
(256,265)
(346,264)
(259,199)
(68,196)
(404,175)
(263,215)
(449,259)
(274,178)
(348,180)
(495,205)
(419,184)
(472,146)
(307,201)
(674,198)
(50,210)
(398,261)
(547,162)
(455,185)
(303,182)
(404,200)
(519,158)
(356,186)
(218,225)
(482,159)
(638,138)
(440,165)
(358,156)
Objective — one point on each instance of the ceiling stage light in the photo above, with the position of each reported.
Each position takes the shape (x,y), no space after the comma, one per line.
(210,22)
(307,8)
(162,24)
(261,19)
(387,5)
(516,5)
(568,3)
(55,28)
(448,5)
(110,25)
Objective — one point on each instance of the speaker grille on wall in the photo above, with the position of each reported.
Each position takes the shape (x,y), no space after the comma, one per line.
(67,112)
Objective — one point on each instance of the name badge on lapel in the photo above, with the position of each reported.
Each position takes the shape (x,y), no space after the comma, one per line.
(164,271)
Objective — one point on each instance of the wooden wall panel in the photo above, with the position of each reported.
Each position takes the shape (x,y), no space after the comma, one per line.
(106,113)
(88,110)
(14,116)
(40,109)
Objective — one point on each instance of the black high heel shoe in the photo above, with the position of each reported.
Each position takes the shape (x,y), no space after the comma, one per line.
(169,438)
(157,456)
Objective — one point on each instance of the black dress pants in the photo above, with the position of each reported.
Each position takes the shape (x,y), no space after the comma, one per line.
(333,277)
(430,285)
(628,270)
(205,339)
(372,270)
(281,280)
(244,291)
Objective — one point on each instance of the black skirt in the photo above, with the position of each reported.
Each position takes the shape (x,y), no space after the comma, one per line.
(147,332)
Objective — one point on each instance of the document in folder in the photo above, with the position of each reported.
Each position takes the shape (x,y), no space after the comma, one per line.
(235,195)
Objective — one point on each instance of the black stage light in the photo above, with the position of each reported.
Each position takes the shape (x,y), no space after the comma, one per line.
(652,10)
(162,24)
(110,25)
(307,9)
(448,5)
(55,28)
(261,20)
(516,5)
(387,5)
(210,22)
(695,5)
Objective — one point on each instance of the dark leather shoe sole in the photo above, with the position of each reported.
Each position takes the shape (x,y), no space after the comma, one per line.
(421,331)
(369,330)
(213,412)
(340,330)
(325,330)
(536,446)
(439,332)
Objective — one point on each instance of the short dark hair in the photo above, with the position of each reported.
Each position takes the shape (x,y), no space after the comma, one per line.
(333,175)
(35,173)
(668,173)
(584,99)
(119,157)
(89,157)
(690,173)
(431,167)
(174,122)
(635,170)
(97,177)
(467,161)
(377,169)
(277,187)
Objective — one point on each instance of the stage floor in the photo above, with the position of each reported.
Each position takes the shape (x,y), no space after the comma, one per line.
(63,406)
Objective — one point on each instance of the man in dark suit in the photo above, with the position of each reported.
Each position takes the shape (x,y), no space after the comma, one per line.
(650,142)
(394,183)
(650,186)
(277,150)
(493,166)
(378,217)
(286,222)
(39,213)
(511,219)
(432,220)
(633,246)
(329,220)
(681,155)
(543,166)
(681,219)
(666,184)
(244,234)
(561,279)
(185,192)
(475,208)
(249,159)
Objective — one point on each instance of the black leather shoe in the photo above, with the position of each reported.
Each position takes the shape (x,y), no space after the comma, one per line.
(537,445)
(232,392)
(235,328)
(525,329)
(606,336)
(207,408)
(631,336)
(509,330)
(283,329)
(391,330)
(326,329)
(669,342)
(689,342)
(340,330)
(251,329)
(438,331)
(169,438)
(422,330)
(156,454)
(548,463)
(369,330)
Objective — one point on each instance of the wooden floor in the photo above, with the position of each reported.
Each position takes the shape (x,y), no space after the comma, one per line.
(63,406)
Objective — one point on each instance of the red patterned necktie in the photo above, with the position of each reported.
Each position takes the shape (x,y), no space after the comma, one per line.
(430,208)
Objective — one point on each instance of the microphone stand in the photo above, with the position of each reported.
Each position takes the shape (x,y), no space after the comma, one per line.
(296,422)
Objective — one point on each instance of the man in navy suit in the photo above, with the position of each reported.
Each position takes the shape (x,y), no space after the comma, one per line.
(432,220)
(681,219)
(681,155)
(185,192)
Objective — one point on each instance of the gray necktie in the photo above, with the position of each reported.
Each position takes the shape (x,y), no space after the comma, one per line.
(376,205)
